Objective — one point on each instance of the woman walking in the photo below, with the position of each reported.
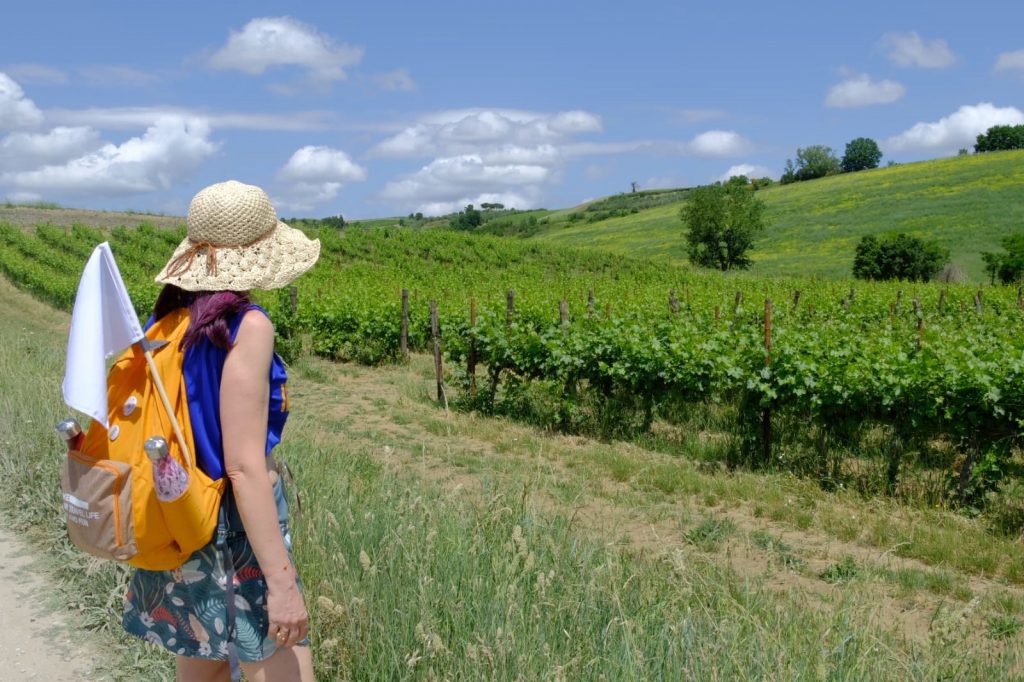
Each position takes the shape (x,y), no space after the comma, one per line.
(239,597)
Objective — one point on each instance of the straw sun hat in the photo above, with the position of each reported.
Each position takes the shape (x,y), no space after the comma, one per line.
(235,242)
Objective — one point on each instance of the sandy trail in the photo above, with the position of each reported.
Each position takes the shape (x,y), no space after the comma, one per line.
(34,643)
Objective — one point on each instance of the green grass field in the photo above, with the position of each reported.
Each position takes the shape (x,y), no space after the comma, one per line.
(968,204)
(438,545)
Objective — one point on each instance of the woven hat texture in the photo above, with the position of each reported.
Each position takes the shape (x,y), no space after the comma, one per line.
(235,242)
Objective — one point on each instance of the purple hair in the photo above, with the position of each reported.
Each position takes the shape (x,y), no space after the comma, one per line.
(209,312)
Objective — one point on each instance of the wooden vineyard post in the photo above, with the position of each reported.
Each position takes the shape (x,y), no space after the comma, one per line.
(718,313)
(510,307)
(673,303)
(796,298)
(920,332)
(607,310)
(942,302)
(917,307)
(977,301)
(294,293)
(563,313)
(590,302)
(471,360)
(899,300)
(686,293)
(739,299)
(404,334)
(435,332)
(766,416)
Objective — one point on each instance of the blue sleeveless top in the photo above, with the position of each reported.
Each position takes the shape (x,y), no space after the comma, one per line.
(204,363)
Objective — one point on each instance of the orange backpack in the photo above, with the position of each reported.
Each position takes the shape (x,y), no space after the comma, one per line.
(109,497)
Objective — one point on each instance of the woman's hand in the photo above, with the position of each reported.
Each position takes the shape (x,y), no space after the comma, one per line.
(289,620)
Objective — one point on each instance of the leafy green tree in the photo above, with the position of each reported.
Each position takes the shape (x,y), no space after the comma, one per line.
(469,219)
(722,221)
(898,256)
(1000,138)
(862,153)
(816,161)
(336,221)
(812,162)
(788,174)
(1008,265)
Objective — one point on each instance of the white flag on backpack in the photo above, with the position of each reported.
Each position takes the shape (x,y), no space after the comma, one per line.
(103,324)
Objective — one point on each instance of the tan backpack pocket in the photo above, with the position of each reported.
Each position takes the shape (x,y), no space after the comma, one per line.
(98,506)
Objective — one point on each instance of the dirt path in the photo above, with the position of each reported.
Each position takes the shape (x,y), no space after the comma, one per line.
(34,642)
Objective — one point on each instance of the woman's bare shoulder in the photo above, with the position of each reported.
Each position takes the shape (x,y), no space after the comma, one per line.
(255,328)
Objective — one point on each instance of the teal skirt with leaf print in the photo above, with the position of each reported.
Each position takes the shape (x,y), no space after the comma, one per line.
(185,610)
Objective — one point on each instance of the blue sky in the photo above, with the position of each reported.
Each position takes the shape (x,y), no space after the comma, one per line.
(376,109)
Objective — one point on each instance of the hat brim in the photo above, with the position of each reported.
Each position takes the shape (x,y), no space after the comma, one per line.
(269,263)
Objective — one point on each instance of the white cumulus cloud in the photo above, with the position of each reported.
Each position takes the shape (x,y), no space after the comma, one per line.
(452,182)
(466,131)
(910,49)
(315,175)
(718,143)
(268,42)
(861,91)
(16,110)
(484,155)
(132,118)
(1011,61)
(27,151)
(959,129)
(165,154)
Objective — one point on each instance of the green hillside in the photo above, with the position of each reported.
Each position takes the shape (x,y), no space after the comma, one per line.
(967,203)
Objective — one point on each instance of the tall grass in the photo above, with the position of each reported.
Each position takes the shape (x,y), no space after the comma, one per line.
(407,580)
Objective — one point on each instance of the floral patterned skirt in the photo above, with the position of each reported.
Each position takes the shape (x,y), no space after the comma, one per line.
(185,610)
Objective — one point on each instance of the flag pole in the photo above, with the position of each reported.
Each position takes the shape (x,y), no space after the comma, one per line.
(166,402)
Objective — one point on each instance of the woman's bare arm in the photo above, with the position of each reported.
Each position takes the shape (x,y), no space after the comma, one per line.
(244,401)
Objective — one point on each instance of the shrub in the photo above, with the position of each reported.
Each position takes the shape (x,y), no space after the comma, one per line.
(898,256)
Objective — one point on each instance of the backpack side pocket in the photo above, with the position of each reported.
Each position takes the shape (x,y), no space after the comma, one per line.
(98,506)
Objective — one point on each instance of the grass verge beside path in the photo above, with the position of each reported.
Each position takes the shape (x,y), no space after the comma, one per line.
(455,547)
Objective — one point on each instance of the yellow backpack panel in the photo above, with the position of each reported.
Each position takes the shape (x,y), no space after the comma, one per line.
(109,497)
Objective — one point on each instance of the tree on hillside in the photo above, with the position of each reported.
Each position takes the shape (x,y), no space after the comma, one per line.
(1008,265)
(862,153)
(741,181)
(1000,138)
(812,162)
(468,219)
(722,221)
(898,256)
